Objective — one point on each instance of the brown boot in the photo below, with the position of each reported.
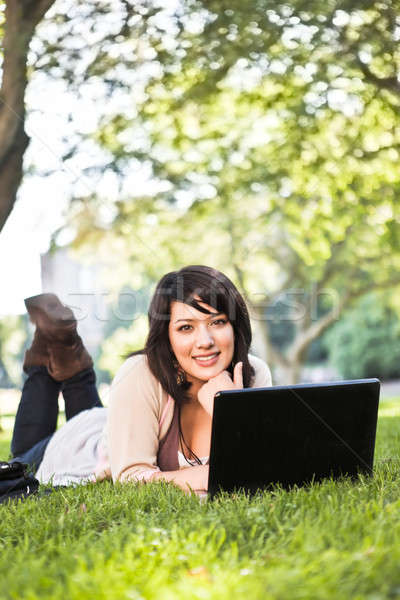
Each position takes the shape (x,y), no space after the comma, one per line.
(50,316)
(68,358)
(37,355)
(56,332)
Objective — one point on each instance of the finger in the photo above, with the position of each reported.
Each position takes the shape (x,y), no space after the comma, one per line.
(238,375)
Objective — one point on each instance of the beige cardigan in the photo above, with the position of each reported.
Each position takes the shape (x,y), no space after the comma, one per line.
(139,417)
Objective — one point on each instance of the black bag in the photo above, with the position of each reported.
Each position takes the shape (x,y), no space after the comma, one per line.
(15,481)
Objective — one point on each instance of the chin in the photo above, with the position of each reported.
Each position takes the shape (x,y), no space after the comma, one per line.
(212,372)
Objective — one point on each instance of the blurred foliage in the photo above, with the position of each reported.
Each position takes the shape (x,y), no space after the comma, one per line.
(125,331)
(13,342)
(121,343)
(366,341)
(2,9)
(281,319)
(260,138)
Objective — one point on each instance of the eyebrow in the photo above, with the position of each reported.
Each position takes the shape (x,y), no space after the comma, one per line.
(211,315)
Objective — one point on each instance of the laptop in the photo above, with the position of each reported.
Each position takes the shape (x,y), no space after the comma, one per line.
(292,435)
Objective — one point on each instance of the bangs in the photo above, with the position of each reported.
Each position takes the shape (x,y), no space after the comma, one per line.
(215,299)
(196,285)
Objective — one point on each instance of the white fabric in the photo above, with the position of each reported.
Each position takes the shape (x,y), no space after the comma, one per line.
(185,463)
(72,453)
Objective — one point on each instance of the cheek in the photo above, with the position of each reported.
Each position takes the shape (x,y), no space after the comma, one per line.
(179,344)
(228,339)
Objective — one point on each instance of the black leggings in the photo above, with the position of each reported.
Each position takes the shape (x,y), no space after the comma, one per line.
(37,414)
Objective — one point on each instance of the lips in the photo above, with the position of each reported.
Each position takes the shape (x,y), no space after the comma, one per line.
(206,360)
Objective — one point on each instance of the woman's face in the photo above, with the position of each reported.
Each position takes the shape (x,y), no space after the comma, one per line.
(202,343)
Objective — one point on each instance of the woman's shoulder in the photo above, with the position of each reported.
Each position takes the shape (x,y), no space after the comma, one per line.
(134,366)
(134,378)
(262,372)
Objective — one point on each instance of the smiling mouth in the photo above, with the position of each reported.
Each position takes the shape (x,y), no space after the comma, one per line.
(207,359)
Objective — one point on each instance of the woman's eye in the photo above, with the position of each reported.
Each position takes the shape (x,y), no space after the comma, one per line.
(184,328)
(219,322)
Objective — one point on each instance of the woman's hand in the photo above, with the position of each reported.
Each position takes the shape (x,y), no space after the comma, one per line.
(188,479)
(194,478)
(218,383)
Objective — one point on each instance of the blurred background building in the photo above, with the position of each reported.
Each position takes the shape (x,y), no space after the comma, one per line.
(78,285)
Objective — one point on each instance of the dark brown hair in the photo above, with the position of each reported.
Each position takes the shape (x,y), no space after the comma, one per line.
(216,290)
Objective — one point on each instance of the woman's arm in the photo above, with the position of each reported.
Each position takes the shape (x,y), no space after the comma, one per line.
(188,479)
(133,427)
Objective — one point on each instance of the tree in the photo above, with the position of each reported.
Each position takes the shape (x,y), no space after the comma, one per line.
(274,136)
(13,338)
(20,21)
(288,110)
(72,45)
(366,342)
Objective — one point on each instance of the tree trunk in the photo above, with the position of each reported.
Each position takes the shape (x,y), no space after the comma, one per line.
(21,19)
(11,174)
(291,374)
(262,341)
(289,365)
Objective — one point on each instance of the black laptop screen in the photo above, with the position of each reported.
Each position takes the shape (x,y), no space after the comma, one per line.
(292,435)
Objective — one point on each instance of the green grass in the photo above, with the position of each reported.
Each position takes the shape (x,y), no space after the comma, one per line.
(335,540)
(4,446)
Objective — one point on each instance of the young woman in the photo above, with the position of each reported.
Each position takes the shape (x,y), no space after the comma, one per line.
(158,425)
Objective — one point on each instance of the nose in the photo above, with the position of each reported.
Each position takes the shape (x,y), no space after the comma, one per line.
(204,338)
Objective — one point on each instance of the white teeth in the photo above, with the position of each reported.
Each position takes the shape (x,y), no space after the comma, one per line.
(205,358)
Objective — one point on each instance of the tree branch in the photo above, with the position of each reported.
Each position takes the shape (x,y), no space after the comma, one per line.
(34,10)
(301,344)
(384,83)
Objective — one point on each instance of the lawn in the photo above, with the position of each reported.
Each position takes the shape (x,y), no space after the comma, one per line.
(332,540)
